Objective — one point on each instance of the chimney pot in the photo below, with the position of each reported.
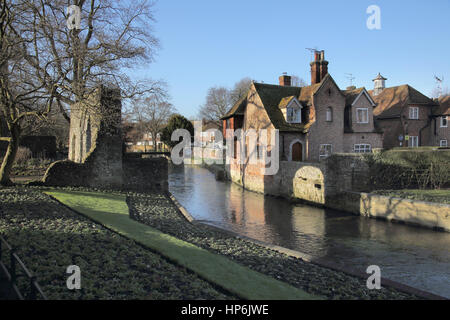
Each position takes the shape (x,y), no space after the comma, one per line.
(285,80)
(319,67)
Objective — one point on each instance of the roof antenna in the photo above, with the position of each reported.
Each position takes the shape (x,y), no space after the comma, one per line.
(350,77)
(439,84)
(312,50)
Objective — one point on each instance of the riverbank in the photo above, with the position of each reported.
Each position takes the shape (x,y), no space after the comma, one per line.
(159,212)
(420,208)
(303,275)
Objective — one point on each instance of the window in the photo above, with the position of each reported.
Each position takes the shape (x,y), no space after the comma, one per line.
(413,141)
(325,151)
(362,148)
(444,122)
(414,113)
(293,115)
(362,115)
(329,114)
(443,143)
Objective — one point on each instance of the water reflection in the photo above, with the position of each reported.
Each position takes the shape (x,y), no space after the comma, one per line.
(415,256)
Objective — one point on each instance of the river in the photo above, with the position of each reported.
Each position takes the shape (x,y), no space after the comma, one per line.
(411,255)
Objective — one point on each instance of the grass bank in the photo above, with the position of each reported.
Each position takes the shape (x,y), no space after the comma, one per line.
(111,210)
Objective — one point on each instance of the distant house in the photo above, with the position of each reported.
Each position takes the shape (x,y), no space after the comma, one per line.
(313,121)
(440,132)
(404,114)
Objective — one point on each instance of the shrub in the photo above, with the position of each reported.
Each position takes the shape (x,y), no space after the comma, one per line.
(409,169)
(23,155)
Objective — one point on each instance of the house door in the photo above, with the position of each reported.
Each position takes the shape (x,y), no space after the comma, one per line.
(297,152)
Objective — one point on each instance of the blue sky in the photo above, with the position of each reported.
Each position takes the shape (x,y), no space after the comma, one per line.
(207,43)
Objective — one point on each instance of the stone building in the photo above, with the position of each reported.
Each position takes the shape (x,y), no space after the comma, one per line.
(96,153)
(313,121)
(404,114)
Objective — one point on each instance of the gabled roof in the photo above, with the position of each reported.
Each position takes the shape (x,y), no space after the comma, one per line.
(284,103)
(444,107)
(391,100)
(237,109)
(351,95)
(274,97)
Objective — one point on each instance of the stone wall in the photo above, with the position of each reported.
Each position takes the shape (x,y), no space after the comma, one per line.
(413,212)
(148,174)
(40,146)
(313,182)
(96,151)
(299,180)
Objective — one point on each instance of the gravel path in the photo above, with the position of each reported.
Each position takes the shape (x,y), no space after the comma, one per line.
(159,212)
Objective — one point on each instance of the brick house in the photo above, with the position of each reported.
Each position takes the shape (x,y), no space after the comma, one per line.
(313,121)
(407,117)
(440,132)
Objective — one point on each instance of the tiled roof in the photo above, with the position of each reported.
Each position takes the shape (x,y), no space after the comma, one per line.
(351,95)
(237,109)
(444,107)
(285,102)
(391,100)
(273,97)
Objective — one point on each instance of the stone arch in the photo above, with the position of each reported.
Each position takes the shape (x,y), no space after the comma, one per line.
(296,151)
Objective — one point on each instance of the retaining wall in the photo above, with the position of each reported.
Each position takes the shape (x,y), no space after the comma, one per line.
(413,212)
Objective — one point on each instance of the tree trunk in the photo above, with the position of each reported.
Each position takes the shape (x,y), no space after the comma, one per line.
(10,156)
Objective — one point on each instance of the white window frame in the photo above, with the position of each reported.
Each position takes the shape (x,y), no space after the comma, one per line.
(442,121)
(326,155)
(413,141)
(362,148)
(358,120)
(443,143)
(414,113)
(296,115)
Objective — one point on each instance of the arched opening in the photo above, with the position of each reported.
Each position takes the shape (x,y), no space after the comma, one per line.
(297,152)
(329,114)
(88,136)
(72,156)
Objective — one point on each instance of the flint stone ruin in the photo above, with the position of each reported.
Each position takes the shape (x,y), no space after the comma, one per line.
(96,157)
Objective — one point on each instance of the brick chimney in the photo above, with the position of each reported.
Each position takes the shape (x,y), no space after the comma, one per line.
(285,80)
(319,67)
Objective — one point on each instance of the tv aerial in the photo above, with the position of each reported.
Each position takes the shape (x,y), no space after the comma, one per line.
(350,77)
(312,50)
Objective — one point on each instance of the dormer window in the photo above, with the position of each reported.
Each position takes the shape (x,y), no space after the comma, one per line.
(293,115)
(291,109)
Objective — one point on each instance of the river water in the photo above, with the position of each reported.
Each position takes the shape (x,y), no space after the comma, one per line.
(414,256)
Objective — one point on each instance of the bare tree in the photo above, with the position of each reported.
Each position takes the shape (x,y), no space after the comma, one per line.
(151,114)
(240,89)
(21,96)
(296,81)
(218,101)
(113,38)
